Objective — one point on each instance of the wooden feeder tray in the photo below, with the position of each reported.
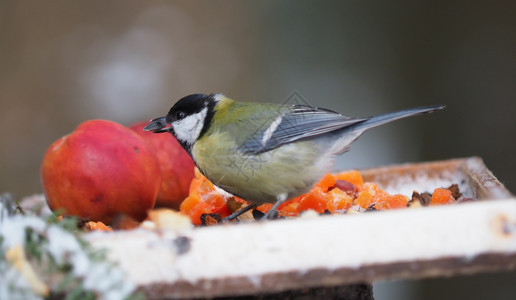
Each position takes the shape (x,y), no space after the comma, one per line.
(331,251)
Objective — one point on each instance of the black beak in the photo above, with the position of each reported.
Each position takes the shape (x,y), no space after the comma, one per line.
(158,125)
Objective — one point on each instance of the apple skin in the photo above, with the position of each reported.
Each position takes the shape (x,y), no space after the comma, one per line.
(100,170)
(177,167)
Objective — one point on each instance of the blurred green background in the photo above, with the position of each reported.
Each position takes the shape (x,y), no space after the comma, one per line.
(64,62)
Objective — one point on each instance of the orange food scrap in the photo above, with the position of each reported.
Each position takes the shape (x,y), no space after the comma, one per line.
(289,209)
(364,199)
(189,203)
(338,201)
(264,208)
(392,201)
(327,182)
(333,193)
(97,226)
(442,196)
(203,199)
(370,194)
(210,203)
(315,199)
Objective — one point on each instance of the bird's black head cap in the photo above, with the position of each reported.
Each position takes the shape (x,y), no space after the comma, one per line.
(188,105)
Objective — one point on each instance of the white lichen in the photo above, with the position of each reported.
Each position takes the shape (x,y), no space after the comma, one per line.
(68,254)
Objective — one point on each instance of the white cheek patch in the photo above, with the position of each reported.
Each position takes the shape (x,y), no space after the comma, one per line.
(218,97)
(188,129)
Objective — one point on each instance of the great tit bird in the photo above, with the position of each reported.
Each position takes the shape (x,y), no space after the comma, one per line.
(264,153)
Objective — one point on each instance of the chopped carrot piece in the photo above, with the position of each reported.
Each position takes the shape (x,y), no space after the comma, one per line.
(315,199)
(189,203)
(217,204)
(197,211)
(264,208)
(97,226)
(339,200)
(392,201)
(364,199)
(369,195)
(442,196)
(290,209)
(194,186)
(326,182)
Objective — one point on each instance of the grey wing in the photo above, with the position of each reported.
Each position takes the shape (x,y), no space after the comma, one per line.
(299,122)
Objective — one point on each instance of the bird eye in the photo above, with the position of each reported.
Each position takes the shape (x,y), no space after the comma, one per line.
(180,115)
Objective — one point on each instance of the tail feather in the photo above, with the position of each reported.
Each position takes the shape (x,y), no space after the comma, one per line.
(349,134)
(386,118)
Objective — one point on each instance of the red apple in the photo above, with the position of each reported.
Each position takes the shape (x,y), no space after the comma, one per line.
(177,167)
(100,170)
